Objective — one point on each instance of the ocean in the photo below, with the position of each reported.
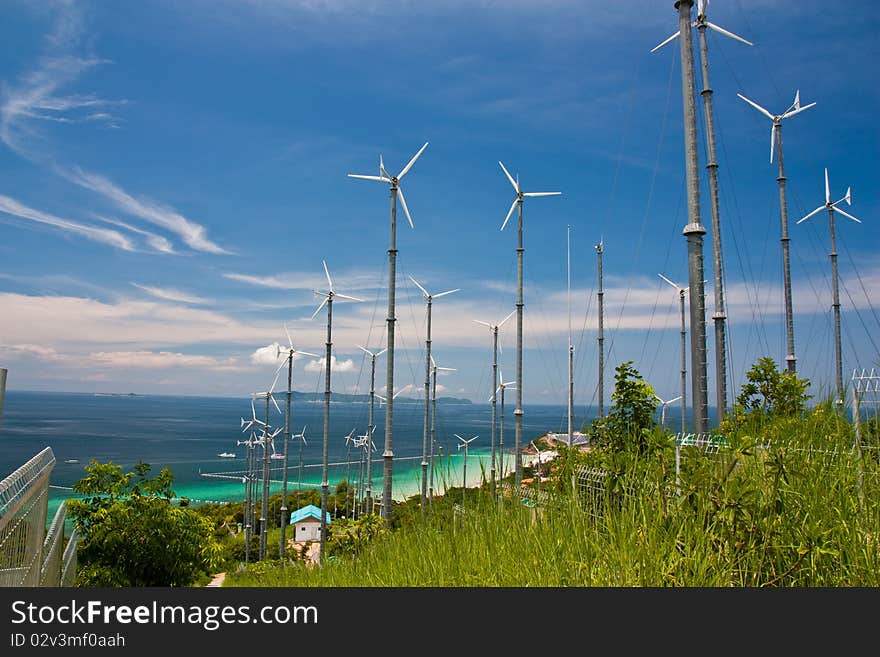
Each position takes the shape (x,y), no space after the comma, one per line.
(186,434)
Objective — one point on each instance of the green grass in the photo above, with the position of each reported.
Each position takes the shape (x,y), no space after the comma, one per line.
(748,517)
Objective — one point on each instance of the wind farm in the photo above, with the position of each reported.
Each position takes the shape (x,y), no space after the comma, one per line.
(180,287)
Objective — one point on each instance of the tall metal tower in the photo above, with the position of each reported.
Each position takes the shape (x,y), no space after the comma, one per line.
(719,316)
(694,229)
(600,248)
(494,398)
(396,193)
(832,209)
(776,140)
(518,411)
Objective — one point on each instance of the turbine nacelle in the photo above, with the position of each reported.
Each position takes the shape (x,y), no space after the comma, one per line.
(519,193)
(394,181)
(832,206)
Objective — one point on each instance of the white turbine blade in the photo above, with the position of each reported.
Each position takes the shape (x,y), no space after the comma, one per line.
(457,436)
(668,281)
(403,205)
(757,107)
(278,369)
(797,99)
(512,312)
(660,45)
(730,34)
(424,291)
(327,274)
(379,353)
(277,407)
(509,177)
(382,171)
(846,214)
(306,353)
(772,141)
(345,296)
(674,400)
(443,294)
(323,302)
(364,349)
(411,162)
(542,193)
(797,111)
(447,369)
(817,210)
(287,333)
(510,212)
(848,197)
(827,188)
(274,381)
(378,178)
(483,323)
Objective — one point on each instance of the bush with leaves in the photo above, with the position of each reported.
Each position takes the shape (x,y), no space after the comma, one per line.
(631,417)
(133,534)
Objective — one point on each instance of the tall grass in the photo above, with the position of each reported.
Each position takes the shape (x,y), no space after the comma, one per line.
(782,515)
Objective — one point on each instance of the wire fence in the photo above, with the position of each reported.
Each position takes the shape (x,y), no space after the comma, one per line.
(593,484)
(24,497)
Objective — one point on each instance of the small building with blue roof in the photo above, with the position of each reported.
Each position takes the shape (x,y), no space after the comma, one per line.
(306,522)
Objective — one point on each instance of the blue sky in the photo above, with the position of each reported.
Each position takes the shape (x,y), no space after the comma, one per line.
(173,174)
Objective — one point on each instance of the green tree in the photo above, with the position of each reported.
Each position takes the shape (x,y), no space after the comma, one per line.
(132,533)
(631,417)
(773,392)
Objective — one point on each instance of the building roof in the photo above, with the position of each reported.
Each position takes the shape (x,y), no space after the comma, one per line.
(308,511)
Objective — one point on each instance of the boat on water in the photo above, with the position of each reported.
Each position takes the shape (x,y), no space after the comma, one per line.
(277,456)
(71,460)
(226,455)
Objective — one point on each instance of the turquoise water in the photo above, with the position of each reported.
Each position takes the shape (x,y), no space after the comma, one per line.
(186,434)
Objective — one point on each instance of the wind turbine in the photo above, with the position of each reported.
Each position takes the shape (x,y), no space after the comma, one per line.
(694,230)
(349,440)
(396,192)
(493,328)
(464,444)
(776,140)
(434,369)
(683,396)
(302,438)
(291,352)
(429,298)
(833,208)
(248,480)
(329,295)
(518,203)
(600,335)
(663,405)
(267,438)
(719,316)
(502,386)
(372,425)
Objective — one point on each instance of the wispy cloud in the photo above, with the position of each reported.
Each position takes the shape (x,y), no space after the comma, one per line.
(114,238)
(277,282)
(161,360)
(156,242)
(170,294)
(193,234)
(38,95)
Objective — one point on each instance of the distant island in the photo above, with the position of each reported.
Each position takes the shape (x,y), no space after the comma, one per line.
(117,394)
(345,397)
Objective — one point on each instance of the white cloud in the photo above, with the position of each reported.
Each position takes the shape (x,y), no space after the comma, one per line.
(346,365)
(30,350)
(156,242)
(104,235)
(193,234)
(279,282)
(162,359)
(267,355)
(170,294)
